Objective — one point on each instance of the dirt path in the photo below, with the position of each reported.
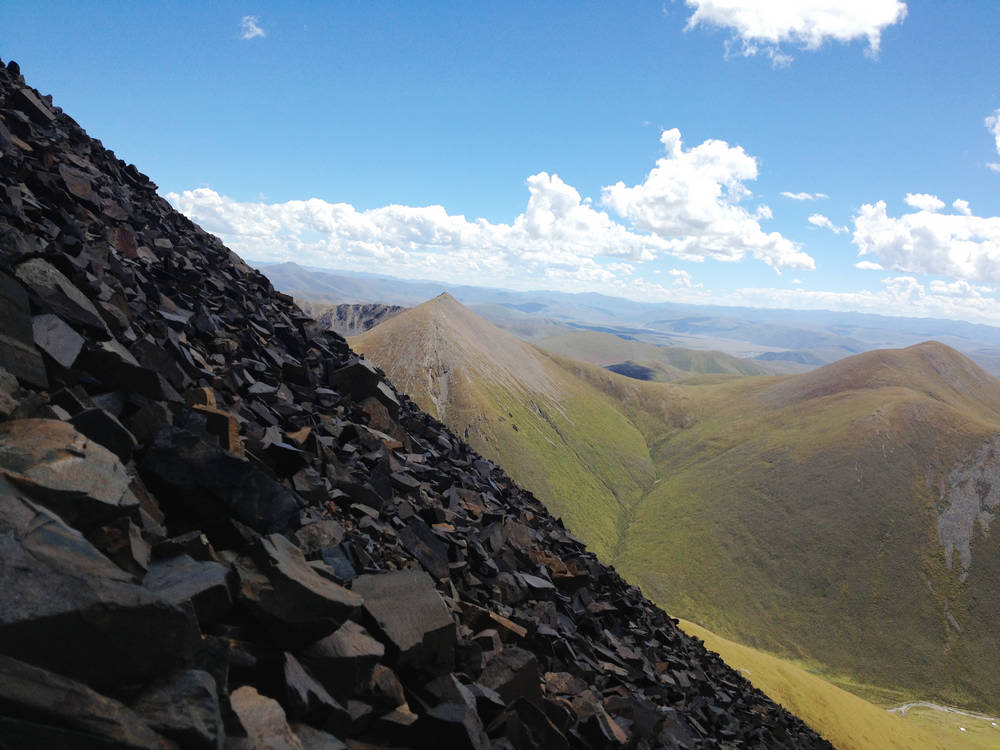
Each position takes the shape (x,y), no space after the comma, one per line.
(901,710)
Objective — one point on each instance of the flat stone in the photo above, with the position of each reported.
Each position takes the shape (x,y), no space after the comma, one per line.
(104,429)
(513,674)
(17,348)
(305,698)
(60,295)
(344,659)
(409,616)
(54,582)
(56,338)
(206,479)
(184,706)
(263,720)
(88,484)
(42,709)
(296,604)
(181,578)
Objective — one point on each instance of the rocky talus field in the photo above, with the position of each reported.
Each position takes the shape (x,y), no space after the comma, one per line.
(221,529)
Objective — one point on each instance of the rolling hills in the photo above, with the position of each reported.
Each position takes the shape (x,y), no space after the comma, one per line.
(840,516)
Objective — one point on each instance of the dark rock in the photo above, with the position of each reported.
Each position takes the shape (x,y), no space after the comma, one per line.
(513,674)
(263,720)
(122,542)
(411,619)
(178,464)
(104,429)
(17,349)
(343,661)
(316,739)
(80,480)
(306,699)
(54,582)
(184,706)
(296,604)
(42,709)
(205,584)
(57,339)
(452,725)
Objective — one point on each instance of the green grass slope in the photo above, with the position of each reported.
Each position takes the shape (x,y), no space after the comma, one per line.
(801,515)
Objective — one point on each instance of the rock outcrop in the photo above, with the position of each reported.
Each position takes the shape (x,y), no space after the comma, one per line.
(218,528)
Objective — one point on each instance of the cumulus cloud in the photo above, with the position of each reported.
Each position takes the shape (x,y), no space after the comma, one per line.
(993,125)
(692,200)
(559,237)
(762,26)
(250,28)
(867,265)
(961,206)
(819,220)
(924,202)
(688,207)
(805,196)
(927,241)
(683,280)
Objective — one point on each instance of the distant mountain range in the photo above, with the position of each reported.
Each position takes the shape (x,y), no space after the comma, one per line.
(840,516)
(807,337)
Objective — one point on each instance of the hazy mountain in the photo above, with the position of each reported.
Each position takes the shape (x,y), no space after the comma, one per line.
(738,331)
(348,319)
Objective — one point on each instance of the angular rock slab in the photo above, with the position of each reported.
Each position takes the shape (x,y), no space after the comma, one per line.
(41,709)
(67,608)
(181,578)
(294,602)
(87,482)
(264,720)
(344,660)
(181,465)
(410,617)
(184,706)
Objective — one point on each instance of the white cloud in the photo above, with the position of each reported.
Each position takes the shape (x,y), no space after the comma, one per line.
(691,199)
(993,125)
(763,25)
(898,295)
(867,265)
(805,196)
(819,220)
(250,28)
(924,202)
(960,245)
(994,166)
(686,208)
(558,237)
(683,280)
(961,206)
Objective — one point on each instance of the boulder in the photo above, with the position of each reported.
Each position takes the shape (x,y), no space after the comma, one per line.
(41,709)
(67,608)
(410,618)
(184,706)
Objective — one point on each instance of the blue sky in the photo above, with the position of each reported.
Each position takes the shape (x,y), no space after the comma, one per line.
(641,149)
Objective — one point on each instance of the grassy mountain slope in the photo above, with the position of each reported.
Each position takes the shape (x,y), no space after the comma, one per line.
(558,435)
(667,362)
(807,515)
(803,516)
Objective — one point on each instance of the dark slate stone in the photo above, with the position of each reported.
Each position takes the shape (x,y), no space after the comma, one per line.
(57,339)
(204,478)
(181,578)
(103,428)
(54,583)
(42,709)
(513,674)
(78,479)
(184,706)
(412,620)
(17,348)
